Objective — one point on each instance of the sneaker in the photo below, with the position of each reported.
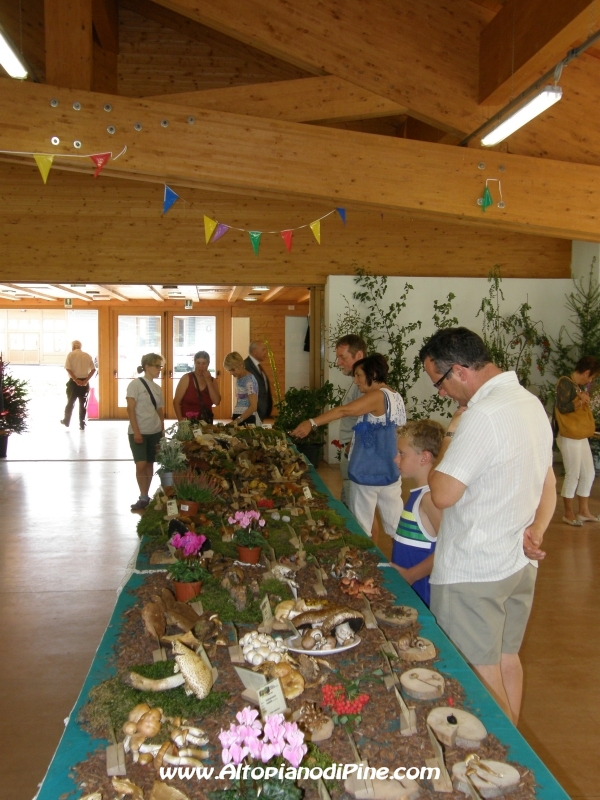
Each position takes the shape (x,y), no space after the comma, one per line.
(140,505)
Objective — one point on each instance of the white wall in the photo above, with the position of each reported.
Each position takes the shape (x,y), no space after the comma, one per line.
(297,372)
(546,297)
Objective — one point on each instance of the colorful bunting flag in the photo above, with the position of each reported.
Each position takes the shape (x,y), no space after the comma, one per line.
(342,213)
(316,229)
(486,199)
(100,160)
(44,165)
(220,231)
(255,239)
(209,227)
(169,199)
(287,238)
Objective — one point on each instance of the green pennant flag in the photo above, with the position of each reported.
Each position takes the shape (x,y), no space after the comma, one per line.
(487,199)
(255,239)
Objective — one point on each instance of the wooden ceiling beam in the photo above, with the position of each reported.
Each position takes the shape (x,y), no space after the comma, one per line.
(292,161)
(526,39)
(32,292)
(105,15)
(69,43)
(6,296)
(70,291)
(322,99)
(421,54)
(112,292)
(156,292)
(270,295)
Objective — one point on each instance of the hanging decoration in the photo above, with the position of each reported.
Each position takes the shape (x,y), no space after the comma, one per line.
(255,239)
(44,161)
(485,201)
(169,199)
(214,230)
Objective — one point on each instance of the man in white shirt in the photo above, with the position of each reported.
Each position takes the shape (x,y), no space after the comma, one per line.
(348,350)
(81,368)
(494,481)
(253,363)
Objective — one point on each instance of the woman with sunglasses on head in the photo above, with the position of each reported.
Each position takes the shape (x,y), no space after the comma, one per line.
(146,412)
(372,469)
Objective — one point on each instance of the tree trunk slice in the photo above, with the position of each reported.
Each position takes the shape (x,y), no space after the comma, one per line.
(404,789)
(422,684)
(404,616)
(426,652)
(468,732)
(487,784)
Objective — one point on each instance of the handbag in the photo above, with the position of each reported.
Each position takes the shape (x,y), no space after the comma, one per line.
(578,424)
(373,452)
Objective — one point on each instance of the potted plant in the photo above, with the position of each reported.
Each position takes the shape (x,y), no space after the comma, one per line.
(299,405)
(13,406)
(170,458)
(247,536)
(187,573)
(193,489)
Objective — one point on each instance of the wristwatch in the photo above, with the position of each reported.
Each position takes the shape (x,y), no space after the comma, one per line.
(449,434)
(313,424)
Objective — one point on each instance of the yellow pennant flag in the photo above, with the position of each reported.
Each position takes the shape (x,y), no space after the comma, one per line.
(209,227)
(44,165)
(316,229)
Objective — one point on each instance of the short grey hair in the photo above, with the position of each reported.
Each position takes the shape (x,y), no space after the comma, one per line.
(75,344)
(253,345)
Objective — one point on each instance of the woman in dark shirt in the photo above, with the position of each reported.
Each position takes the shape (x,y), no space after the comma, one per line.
(573,415)
(197,391)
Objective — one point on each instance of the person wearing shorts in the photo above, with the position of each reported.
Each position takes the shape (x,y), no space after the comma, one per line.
(494,481)
(146,412)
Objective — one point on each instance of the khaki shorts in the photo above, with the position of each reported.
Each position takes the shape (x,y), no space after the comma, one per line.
(484,620)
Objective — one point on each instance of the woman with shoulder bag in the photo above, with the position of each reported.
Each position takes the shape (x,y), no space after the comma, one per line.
(197,392)
(372,469)
(576,424)
(146,412)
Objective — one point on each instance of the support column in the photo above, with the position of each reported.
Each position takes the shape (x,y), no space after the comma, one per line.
(317,338)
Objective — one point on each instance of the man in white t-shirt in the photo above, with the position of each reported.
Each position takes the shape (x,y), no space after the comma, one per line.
(81,368)
(348,350)
(494,481)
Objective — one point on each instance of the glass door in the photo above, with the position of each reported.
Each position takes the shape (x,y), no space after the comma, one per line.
(137,334)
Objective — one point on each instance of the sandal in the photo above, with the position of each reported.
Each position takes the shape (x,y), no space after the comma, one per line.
(576,523)
(588,519)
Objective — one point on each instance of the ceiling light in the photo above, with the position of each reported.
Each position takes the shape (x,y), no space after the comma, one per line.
(9,59)
(92,291)
(78,285)
(261,288)
(250,299)
(170,286)
(546,98)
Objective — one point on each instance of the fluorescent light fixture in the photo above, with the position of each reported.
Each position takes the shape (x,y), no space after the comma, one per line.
(546,98)
(261,288)
(9,58)
(250,299)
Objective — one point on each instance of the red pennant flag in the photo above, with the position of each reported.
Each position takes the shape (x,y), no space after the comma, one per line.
(287,238)
(100,160)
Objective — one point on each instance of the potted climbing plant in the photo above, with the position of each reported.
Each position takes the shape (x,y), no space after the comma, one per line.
(13,406)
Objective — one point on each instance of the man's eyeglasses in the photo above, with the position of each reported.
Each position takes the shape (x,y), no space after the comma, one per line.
(438,384)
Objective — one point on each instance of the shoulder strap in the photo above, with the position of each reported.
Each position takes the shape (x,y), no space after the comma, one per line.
(196,384)
(149,390)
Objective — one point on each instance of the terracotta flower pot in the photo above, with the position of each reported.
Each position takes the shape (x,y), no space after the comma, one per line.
(248,555)
(185,591)
(188,507)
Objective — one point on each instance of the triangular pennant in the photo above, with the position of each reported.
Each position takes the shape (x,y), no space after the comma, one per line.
(287,238)
(220,231)
(316,229)
(44,165)
(255,239)
(100,160)
(169,199)
(486,199)
(209,227)
(342,213)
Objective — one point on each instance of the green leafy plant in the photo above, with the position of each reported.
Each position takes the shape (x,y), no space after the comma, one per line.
(187,571)
(13,405)
(302,404)
(169,455)
(249,538)
(514,341)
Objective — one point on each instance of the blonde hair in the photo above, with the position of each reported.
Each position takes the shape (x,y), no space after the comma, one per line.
(423,434)
(150,360)
(233,360)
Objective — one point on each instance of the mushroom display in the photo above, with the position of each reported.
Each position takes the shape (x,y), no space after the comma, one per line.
(260,647)
(329,627)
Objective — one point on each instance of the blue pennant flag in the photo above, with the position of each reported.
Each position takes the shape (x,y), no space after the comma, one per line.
(170,198)
(342,213)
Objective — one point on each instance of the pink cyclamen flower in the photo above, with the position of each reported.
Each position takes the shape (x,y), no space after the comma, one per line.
(293,734)
(267,752)
(295,754)
(235,754)
(228,738)
(274,727)
(255,746)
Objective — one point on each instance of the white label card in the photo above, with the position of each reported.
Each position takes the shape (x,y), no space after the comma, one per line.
(172,509)
(271,699)
(307,493)
(265,610)
(251,680)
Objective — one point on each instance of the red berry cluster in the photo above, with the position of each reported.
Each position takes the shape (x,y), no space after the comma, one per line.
(337,699)
(265,503)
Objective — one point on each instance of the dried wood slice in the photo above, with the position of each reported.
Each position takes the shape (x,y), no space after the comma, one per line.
(501,780)
(402,616)
(467,731)
(422,684)
(161,791)
(404,789)
(423,650)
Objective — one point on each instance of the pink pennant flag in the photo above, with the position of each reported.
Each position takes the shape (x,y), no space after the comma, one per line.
(220,230)
(100,160)
(287,238)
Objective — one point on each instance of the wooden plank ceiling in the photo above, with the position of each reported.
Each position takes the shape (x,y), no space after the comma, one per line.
(360,104)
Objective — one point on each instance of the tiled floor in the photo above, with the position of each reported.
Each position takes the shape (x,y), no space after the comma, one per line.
(66,537)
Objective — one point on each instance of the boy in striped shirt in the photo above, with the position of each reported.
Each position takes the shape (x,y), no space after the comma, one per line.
(419,443)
